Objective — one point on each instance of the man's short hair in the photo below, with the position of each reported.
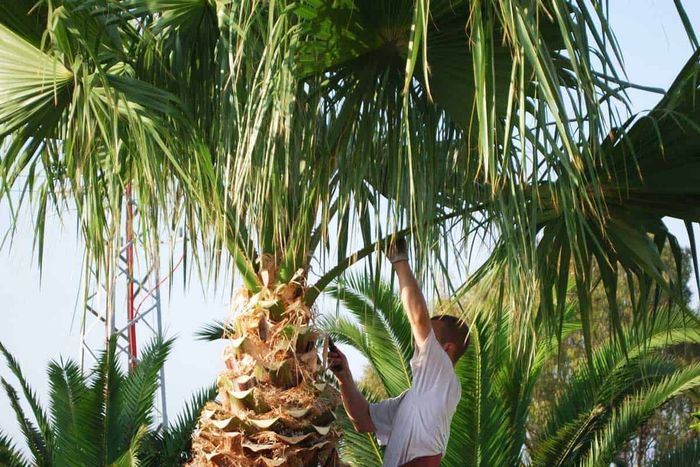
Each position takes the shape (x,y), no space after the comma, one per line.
(454,330)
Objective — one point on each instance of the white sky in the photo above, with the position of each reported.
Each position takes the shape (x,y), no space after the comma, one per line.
(40,321)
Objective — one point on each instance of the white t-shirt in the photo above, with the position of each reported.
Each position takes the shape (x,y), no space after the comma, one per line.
(417,423)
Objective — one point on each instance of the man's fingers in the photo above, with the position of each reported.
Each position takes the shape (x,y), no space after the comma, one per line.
(336,364)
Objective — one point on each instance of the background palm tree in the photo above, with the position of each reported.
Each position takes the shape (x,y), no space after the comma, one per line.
(669,427)
(257,125)
(101,419)
(597,411)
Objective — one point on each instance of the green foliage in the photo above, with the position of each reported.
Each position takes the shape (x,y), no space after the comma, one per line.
(9,455)
(604,403)
(79,126)
(257,125)
(687,454)
(668,427)
(173,446)
(104,418)
(600,409)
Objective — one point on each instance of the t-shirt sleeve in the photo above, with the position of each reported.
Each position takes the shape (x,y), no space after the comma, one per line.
(382,415)
(431,365)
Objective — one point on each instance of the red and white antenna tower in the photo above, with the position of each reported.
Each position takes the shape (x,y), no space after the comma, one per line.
(137,277)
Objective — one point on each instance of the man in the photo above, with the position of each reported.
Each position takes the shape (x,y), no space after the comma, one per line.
(415,426)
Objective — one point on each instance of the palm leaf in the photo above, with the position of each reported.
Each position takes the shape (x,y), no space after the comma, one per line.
(130,457)
(26,18)
(635,411)
(31,398)
(358,449)
(134,401)
(387,304)
(173,445)
(80,125)
(74,416)
(479,432)
(107,379)
(597,390)
(9,455)
(32,436)
(214,331)
(648,173)
(376,309)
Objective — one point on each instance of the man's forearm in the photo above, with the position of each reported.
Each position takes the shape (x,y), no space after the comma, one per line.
(356,406)
(413,301)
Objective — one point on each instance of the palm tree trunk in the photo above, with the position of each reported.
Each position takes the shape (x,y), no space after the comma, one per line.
(274,408)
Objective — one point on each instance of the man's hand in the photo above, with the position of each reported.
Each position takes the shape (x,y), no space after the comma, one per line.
(397,251)
(338,364)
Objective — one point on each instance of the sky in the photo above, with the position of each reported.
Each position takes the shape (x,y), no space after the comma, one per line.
(40,310)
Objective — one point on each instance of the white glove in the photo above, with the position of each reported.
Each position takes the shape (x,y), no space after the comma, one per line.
(397,251)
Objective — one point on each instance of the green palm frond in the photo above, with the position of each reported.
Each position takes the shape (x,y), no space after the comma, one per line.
(135,397)
(25,18)
(102,417)
(359,449)
(649,172)
(214,331)
(479,432)
(30,77)
(346,331)
(498,376)
(597,390)
(384,329)
(9,455)
(130,457)
(31,397)
(32,436)
(78,126)
(183,45)
(381,296)
(687,24)
(76,418)
(107,379)
(635,411)
(173,445)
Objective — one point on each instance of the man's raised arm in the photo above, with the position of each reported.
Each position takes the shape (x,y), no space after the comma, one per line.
(411,294)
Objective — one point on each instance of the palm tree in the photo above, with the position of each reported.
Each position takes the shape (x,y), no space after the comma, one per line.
(104,418)
(260,124)
(602,407)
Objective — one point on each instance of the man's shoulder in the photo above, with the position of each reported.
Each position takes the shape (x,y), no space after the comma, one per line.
(431,355)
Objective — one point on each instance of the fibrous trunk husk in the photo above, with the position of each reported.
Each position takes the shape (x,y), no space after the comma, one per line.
(274,407)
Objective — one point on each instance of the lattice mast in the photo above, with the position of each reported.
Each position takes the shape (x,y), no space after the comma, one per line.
(136,278)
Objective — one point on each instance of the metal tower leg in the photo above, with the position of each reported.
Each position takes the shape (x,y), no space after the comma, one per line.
(135,277)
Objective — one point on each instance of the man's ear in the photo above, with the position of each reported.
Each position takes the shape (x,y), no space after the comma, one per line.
(450,348)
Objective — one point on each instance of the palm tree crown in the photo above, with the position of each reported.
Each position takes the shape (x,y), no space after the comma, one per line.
(104,418)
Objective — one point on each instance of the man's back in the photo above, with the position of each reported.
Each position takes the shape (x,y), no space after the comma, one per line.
(417,423)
